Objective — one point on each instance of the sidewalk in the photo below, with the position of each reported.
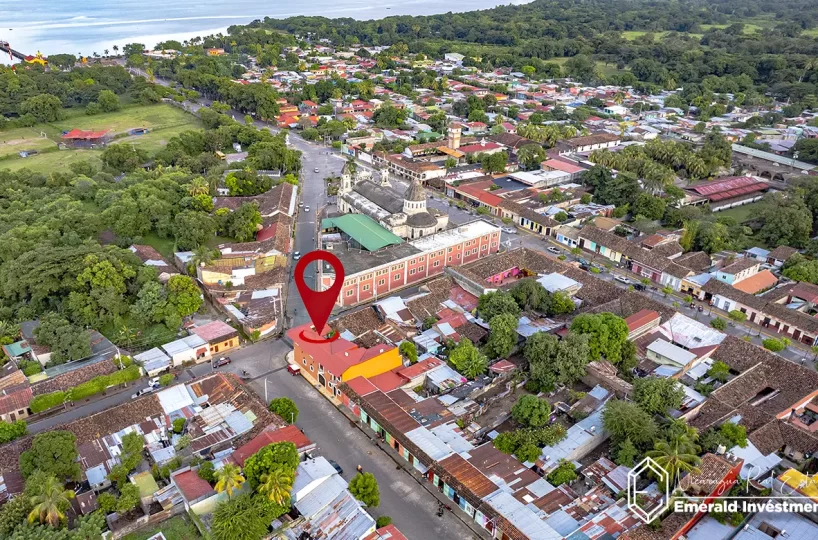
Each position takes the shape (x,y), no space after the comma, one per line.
(414,473)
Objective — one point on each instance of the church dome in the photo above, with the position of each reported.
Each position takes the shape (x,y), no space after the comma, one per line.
(421,220)
(415,192)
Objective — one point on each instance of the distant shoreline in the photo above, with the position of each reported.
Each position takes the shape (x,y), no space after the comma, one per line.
(87,29)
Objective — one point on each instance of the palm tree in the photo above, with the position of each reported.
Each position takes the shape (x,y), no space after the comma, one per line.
(619,97)
(229,478)
(49,502)
(202,255)
(676,456)
(198,186)
(276,485)
(116,49)
(106,52)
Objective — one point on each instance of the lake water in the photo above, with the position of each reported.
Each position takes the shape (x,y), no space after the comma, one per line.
(88,26)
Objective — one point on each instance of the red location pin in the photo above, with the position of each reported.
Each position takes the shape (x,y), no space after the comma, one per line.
(319,304)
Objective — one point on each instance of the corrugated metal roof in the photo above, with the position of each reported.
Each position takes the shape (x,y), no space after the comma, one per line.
(429,443)
(174,398)
(308,472)
(321,496)
(363,230)
(523,518)
(238,423)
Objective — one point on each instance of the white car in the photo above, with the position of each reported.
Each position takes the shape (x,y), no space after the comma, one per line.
(143,392)
(552,249)
(154,382)
(623,280)
(509,230)
(316,169)
(296,255)
(306,208)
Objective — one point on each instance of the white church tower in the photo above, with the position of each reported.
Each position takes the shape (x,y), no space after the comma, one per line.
(414,202)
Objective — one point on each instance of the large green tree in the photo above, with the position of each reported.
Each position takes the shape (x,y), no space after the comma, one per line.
(285,408)
(67,341)
(54,453)
(283,455)
(496,303)
(625,420)
(468,360)
(607,335)
(502,335)
(246,517)
(364,487)
(531,411)
(658,395)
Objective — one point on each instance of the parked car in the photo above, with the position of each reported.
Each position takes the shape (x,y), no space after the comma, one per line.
(584,267)
(335,466)
(223,361)
(555,251)
(639,287)
(296,255)
(154,382)
(623,280)
(143,392)
(316,169)
(583,261)
(509,230)
(293,369)
(599,267)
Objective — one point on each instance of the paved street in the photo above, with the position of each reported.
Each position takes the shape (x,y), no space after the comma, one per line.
(313,195)
(402,498)
(410,506)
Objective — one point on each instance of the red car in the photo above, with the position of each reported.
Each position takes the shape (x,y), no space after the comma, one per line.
(223,361)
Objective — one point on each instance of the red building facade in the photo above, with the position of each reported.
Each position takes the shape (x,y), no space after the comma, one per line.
(382,280)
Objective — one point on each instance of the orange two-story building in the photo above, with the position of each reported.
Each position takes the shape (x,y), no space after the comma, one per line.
(329,363)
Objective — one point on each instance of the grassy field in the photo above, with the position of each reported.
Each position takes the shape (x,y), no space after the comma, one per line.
(605,70)
(163,245)
(163,122)
(17,140)
(177,528)
(51,161)
(742,213)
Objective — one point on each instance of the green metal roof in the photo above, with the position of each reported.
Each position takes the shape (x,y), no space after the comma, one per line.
(17,349)
(363,229)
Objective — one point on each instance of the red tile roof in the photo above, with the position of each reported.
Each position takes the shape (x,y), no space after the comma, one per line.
(80,134)
(15,401)
(362,386)
(388,381)
(389,532)
(420,368)
(803,290)
(478,191)
(335,356)
(471,148)
(288,433)
(215,331)
(757,282)
(641,318)
(503,366)
(733,186)
(191,486)
(559,165)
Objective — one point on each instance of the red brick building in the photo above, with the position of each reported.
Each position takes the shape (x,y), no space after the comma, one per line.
(374,274)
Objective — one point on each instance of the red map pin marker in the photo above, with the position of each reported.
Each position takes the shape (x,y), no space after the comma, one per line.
(319,304)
